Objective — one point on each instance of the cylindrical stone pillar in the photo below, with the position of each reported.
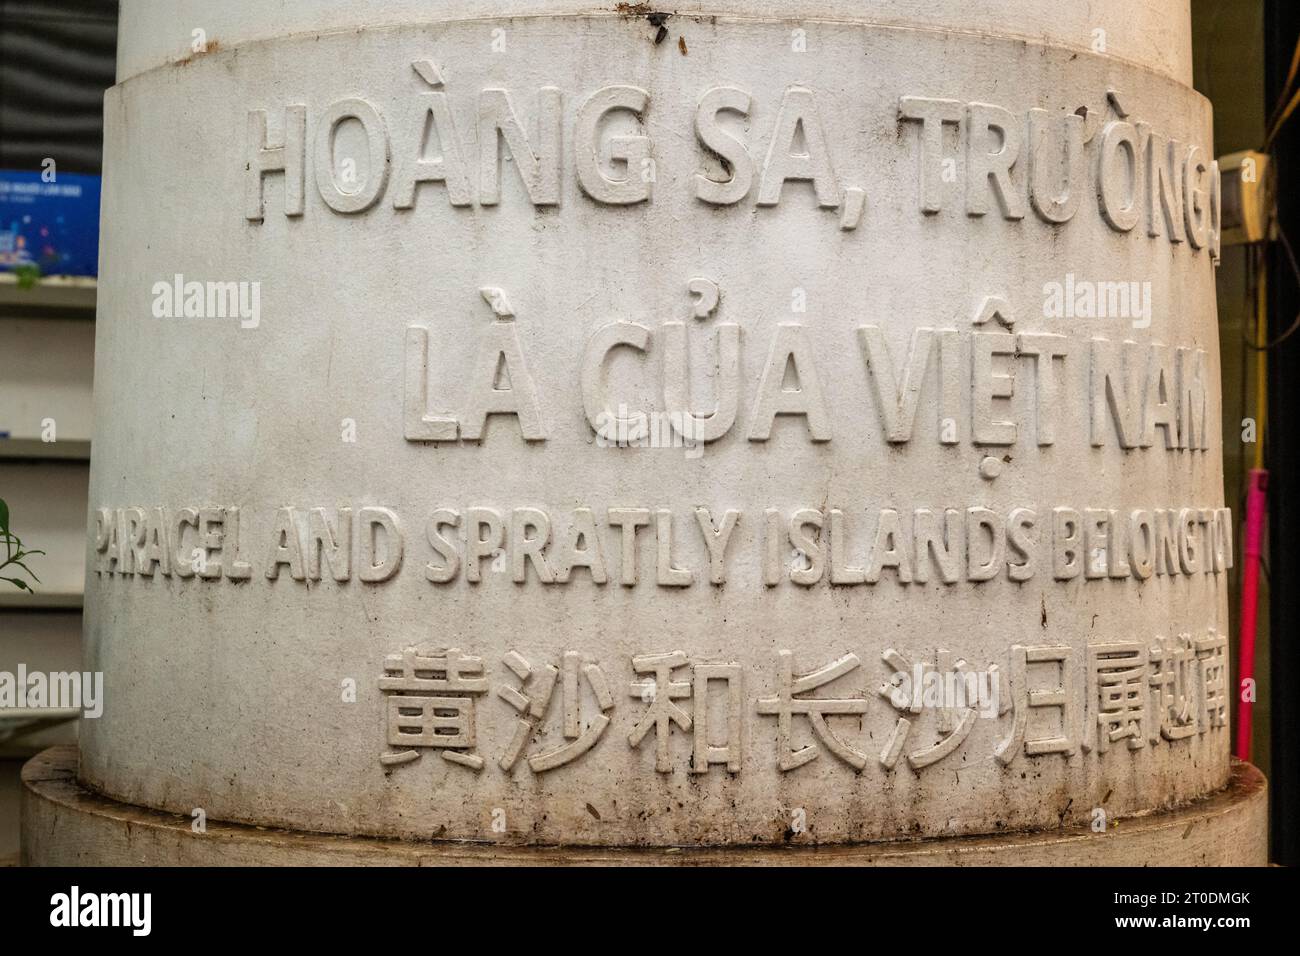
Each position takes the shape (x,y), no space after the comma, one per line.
(546,422)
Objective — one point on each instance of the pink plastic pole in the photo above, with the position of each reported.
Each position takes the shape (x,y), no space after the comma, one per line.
(1252,545)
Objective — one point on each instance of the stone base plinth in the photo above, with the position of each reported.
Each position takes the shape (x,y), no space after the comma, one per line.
(65,824)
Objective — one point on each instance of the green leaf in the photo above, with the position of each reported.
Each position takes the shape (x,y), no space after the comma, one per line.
(16,555)
(27,275)
(28,570)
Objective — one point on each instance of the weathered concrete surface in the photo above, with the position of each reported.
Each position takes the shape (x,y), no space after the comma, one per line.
(1153,34)
(876,259)
(65,824)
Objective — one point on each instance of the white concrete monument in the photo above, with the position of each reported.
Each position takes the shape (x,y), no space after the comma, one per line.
(761,425)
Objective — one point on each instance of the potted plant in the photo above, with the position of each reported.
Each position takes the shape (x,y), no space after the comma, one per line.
(15,554)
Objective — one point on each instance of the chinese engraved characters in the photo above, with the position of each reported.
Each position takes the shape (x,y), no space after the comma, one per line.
(661,690)
(1045,700)
(444,722)
(785,705)
(541,683)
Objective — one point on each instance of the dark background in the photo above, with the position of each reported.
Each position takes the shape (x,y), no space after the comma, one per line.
(56,59)
(1281,30)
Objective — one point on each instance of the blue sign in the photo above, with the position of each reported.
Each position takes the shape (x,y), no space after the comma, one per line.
(53,226)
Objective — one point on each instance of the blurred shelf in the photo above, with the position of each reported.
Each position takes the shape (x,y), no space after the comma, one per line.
(51,296)
(34,449)
(48,509)
(13,599)
(18,725)
(47,380)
